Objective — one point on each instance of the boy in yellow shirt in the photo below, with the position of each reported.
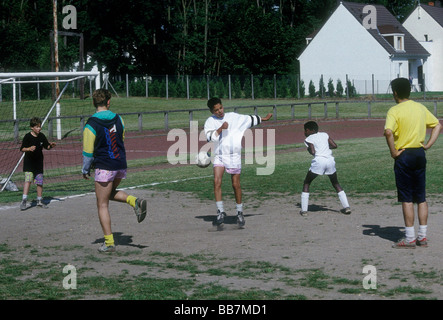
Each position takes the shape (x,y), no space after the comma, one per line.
(405,132)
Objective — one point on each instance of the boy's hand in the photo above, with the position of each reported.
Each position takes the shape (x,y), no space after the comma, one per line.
(52,144)
(85,176)
(268,116)
(32,148)
(396,153)
(223,127)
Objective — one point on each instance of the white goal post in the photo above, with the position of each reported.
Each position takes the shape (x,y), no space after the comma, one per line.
(43,77)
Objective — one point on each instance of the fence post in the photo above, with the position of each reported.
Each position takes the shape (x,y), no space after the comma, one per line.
(167,87)
(435,108)
(369,109)
(140,122)
(274,111)
(166,120)
(309,111)
(147,87)
(50,128)
(187,87)
(292,111)
(336,110)
(16,130)
(252,86)
(275,86)
(191,115)
(127,86)
(229,86)
(325,108)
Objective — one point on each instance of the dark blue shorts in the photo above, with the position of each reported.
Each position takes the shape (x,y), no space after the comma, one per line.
(410,175)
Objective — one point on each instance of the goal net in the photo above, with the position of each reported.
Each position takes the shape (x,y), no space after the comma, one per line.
(27,95)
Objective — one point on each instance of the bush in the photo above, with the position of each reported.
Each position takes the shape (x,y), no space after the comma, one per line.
(312,93)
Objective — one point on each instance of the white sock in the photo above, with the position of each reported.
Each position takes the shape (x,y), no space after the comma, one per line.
(410,234)
(39,198)
(219,205)
(25,197)
(422,231)
(304,201)
(343,199)
(239,207)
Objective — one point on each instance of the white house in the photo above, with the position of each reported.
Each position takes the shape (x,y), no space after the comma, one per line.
(366,45)
(425,23)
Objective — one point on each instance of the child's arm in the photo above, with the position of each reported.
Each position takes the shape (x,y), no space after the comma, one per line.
(28,149)
(311,148)
(332,144)
(268,116)
(51,145)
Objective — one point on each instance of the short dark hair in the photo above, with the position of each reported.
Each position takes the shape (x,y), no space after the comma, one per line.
(212,102)
(101,97)
(35,121)
(402,87)
(311,125)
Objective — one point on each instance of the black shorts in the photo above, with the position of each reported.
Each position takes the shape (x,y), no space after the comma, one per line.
(410,175)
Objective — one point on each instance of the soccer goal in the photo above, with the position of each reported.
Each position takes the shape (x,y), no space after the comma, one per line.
(51,96)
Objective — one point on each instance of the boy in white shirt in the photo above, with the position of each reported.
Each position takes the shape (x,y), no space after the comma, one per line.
(226,131)
(319,145)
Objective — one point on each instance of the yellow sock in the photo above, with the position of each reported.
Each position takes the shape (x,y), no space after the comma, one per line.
(109,240)
(131,201)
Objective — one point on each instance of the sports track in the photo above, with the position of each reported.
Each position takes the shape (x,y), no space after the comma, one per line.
(286,133)
(155,143)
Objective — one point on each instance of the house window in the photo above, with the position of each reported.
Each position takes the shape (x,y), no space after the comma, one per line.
(399,43)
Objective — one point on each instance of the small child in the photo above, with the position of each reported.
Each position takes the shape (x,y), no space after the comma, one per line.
(32,145)
(319,145)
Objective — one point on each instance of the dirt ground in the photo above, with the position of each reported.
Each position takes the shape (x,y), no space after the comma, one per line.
(337,244)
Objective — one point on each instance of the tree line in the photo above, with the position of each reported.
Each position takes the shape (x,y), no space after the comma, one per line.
(177,37)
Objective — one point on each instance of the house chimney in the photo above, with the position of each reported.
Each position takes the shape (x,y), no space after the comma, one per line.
(431,4)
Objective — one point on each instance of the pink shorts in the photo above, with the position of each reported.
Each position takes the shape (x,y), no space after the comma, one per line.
(230,170)
(107,175)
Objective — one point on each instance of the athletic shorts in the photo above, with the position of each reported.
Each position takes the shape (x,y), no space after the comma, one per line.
(321,166)
(29,177)
(235,169)
(109,175)
(410,175)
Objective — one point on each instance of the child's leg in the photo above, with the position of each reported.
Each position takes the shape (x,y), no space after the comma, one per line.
(235,179)
(26,188)
(340,192)
(29,177)
(218,176)
(310,176)
(103,192)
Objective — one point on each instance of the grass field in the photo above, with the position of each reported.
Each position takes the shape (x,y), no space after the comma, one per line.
(365,171)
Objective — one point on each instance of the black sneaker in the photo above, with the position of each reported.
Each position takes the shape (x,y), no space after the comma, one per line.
(240,219)
(220,218)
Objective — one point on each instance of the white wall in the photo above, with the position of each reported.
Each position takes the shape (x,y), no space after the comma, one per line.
(344,47)
(418,24)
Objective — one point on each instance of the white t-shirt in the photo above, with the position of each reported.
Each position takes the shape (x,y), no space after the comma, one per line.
(320,140)
(227,145)
(323,162)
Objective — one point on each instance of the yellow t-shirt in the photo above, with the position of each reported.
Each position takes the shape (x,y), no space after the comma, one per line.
(408,122)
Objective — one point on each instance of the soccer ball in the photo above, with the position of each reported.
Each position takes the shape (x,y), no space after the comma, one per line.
(203,159)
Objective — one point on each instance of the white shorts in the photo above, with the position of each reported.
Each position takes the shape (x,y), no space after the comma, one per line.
(323,166)
(231,164)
